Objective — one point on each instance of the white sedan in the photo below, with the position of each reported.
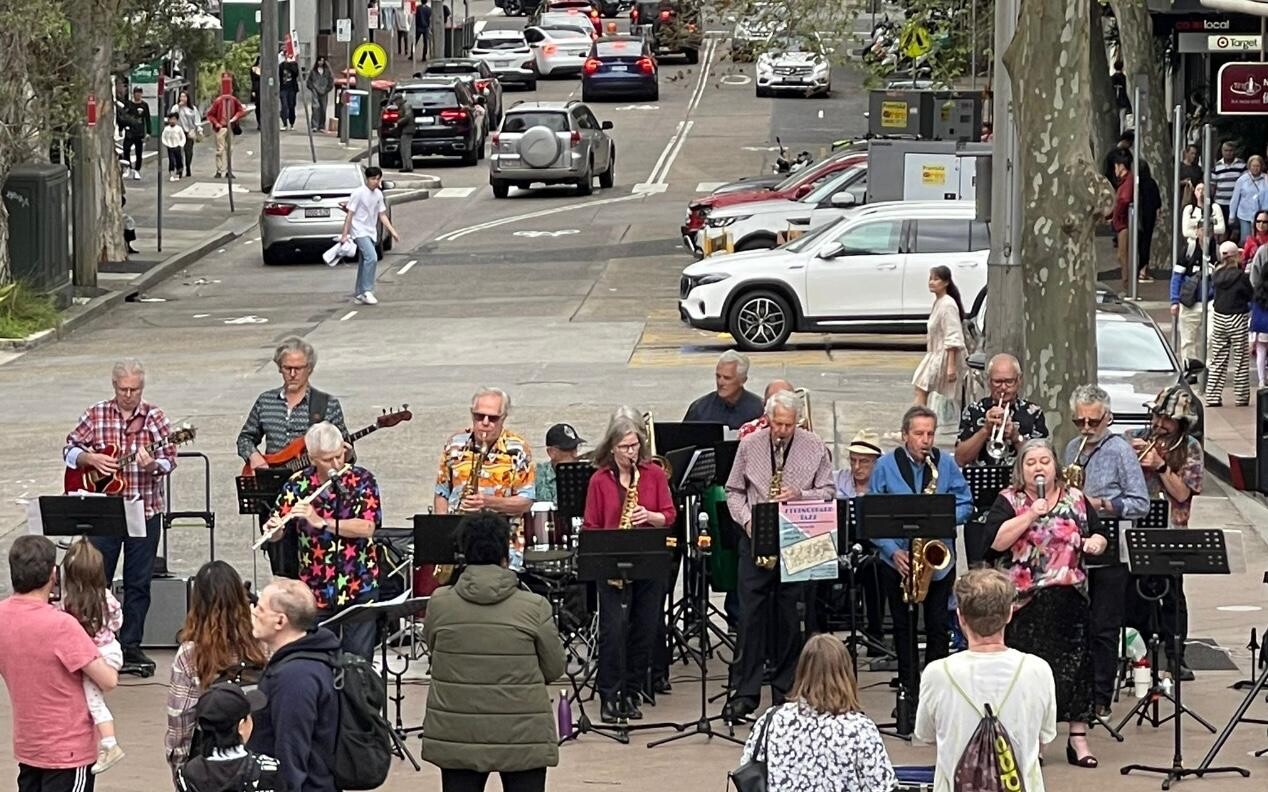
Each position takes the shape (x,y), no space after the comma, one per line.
(508,55)
(789,64)
(559,49)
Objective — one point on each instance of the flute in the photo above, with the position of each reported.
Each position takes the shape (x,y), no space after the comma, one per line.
(273,525)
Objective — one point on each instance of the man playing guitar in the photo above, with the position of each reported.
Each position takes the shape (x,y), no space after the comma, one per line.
(129,424)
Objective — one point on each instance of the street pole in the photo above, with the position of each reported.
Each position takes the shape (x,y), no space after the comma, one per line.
(158,205)
(343,97)
(1005,330)
(1177,143)
(1208,198)
(270,142)
(1133,226)
(360,21)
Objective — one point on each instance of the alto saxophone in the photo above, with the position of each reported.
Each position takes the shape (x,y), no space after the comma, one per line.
(772,492)
(927,555)
(444,572)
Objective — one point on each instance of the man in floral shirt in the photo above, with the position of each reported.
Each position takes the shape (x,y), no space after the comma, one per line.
(337,556)
(980,419)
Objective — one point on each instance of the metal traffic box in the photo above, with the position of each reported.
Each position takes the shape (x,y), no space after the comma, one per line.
(37,198)
(927,115)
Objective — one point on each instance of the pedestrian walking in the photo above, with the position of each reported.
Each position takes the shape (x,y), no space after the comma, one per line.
(320,83)
(255,90)
(1187,294)
(365,210)
(288,89)
(1190,168)
(422,29)
(1258,337)
(1224,175)
(224,115)
(1146,221)
(1250,194)
(1230,326)
(136,125)
(191,122)
(1118,216)
(405,127)
(938,370)
(173,139)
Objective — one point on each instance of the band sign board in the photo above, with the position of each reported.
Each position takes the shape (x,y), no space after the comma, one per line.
(1243,89)
(343,31)
(915,41)
(1234,43)
(894,115)
(370,60)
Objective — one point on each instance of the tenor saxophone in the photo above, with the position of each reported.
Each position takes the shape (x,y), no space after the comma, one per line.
(927,555)
(444,572)
(772,492)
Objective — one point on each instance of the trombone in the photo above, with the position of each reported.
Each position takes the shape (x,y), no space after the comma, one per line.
(807,421)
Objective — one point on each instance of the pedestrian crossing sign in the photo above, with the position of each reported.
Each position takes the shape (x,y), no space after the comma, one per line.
(915,40)
(369,60)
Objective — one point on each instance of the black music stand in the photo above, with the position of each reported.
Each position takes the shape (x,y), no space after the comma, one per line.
(907,517)
(1172,553)
(672,435)
(985,482)
(381,614)
(724,452)
(572,483)
(852,554)
(697,474)
(83,515)
(436,539)
(257,496)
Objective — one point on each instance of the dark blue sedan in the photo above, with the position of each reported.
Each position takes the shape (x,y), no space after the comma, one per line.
(620,66)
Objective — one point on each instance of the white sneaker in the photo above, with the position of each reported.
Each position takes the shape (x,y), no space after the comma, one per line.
(368,298)
(136,175)
(107,758)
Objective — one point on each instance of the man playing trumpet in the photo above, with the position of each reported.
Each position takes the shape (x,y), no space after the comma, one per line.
(781,463)
(992,429)
(335,508)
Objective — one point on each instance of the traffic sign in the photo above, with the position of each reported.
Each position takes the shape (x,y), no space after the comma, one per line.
(370,60)
(915,40)
(343,31)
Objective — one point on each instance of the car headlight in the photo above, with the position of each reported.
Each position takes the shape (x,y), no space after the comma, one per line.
(764,65)
(822,67)
(722,222)
(692,281)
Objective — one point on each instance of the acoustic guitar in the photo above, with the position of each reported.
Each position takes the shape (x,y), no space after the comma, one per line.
(92,480)
(294,455)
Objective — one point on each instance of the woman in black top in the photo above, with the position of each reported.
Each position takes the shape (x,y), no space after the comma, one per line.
(1230,325)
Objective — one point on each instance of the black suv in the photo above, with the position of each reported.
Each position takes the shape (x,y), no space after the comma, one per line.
(446,122)
(671,27)
(477,75)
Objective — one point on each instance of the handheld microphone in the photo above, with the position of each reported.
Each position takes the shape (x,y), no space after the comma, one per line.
(1041,486)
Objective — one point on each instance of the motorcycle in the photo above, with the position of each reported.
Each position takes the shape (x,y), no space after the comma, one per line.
(783,165)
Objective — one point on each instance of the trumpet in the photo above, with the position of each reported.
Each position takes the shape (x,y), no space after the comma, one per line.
(997,445)
(275,524)
(1073,474)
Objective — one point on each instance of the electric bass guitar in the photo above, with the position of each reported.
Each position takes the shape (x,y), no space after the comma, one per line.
(294,455)
(90,479)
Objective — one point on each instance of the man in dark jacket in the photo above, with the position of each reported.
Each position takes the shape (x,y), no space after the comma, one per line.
(135,123)
(288,89)
(405,127)
(494,650)
(300,724)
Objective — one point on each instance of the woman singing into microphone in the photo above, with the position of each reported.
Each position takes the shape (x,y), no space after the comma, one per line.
(1042,531)
(623,463)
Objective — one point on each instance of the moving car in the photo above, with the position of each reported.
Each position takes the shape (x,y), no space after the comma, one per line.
(794,64)
(552,9)
(674,27)
(620,66)
(865,273)
(758,224)
(508,56)
(445,122)
(304,212)
(570,18)
(551,143)
(477,74)
(1133,361)
(558,50)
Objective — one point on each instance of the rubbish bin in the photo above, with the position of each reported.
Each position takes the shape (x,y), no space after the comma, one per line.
(358,109)
(37,197)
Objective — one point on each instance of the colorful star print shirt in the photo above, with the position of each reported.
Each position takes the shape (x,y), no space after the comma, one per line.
(337,569)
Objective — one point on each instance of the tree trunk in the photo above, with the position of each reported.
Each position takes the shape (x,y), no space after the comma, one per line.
(1062,195)
(1140,59)
(98,205)
(1105,129)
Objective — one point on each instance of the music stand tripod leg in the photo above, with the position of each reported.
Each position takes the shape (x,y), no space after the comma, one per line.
(1234,721)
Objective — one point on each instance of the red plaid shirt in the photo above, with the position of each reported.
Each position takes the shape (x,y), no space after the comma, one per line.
(103,424)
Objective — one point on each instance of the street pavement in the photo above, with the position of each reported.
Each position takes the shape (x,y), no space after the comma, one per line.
(570,304)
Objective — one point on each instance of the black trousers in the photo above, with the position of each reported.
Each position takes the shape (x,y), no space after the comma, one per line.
(138,570)
(357,639)
(39,779)
(936,616)
(176,160)
(770,626)
(1145,240)
(662,651)
(1107,590)
(632,626)
(133,144)
(472,781)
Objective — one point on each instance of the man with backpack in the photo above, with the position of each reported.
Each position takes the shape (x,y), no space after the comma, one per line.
(970,699)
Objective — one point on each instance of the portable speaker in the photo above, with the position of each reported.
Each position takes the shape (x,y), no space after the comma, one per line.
(169,602)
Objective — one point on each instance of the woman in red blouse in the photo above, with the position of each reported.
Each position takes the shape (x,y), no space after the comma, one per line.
(627,614)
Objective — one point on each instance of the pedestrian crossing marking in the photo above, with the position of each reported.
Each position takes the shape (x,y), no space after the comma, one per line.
(453,192)
(708,187)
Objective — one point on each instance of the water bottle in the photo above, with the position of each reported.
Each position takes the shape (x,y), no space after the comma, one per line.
(563,713)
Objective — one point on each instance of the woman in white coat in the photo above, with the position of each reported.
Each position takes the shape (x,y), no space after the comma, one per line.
(938,371)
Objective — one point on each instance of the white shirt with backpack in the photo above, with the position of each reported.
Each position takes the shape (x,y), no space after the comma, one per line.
(1018,686)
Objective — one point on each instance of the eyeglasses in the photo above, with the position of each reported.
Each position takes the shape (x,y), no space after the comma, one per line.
(1002,383)
(126,391)
(293,369)
(629,448)
(480,417)
(1085,423)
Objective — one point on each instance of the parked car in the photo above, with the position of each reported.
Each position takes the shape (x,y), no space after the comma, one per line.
(445,122)
(1133,361)
(865,273)
(558,50)
(674,27)
(620,66)
(551,143)
(305,210)
(794,186)
(514,8)
(794,64)
(508,56)
(477,74)
(757,225)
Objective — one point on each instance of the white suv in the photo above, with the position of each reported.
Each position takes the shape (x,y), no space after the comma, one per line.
(865,273)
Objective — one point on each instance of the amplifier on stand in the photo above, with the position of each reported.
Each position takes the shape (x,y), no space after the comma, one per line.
(169,602)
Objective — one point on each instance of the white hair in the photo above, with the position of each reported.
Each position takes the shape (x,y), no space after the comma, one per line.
(323,438)
(739,359)
(787,400)
(1004,357)
(127,368)
(295,344)
(501,394)
(626,411)
(1088,395)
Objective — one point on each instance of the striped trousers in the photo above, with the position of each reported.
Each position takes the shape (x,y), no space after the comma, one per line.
(1228,347)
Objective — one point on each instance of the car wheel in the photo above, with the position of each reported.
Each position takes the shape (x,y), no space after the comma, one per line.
(756,243)
(271,256)
(762,92)
(386,242)
(472,155)
(585,185)
(530,85)
(513,8)
(389,161)
(608,178)
(480,149)
(760,321)
(500,189)
(654,96)
(693,56)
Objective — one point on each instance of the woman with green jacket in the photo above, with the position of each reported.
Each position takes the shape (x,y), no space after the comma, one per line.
(494,649)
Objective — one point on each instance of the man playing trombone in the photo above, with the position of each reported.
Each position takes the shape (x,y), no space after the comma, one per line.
(335,508)
(992,429)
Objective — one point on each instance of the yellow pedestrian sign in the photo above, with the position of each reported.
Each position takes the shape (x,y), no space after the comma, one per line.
(370,60)
(915,41)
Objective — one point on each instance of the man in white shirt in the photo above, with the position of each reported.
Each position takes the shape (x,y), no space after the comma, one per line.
(1018,686)
(366,208)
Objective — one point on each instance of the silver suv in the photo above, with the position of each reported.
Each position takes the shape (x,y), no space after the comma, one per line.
(551,143)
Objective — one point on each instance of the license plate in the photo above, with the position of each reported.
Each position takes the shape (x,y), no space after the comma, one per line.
(619,68)
(425,120)
(317,212)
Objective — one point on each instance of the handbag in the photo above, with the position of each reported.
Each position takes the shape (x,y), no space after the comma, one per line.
(1191,258)
(235,128)
(751,776)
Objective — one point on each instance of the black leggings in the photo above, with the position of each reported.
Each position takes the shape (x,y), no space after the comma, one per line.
(472,781)
(130,143)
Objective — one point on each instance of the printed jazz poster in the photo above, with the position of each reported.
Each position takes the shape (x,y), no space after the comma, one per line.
(808,541)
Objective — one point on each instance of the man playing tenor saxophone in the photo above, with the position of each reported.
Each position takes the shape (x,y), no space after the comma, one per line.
(779,463)
(918,468)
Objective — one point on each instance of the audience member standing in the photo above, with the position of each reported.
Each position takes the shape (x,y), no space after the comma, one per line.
(225,765)
(1224,175)
(1250,194)
(1230,325)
